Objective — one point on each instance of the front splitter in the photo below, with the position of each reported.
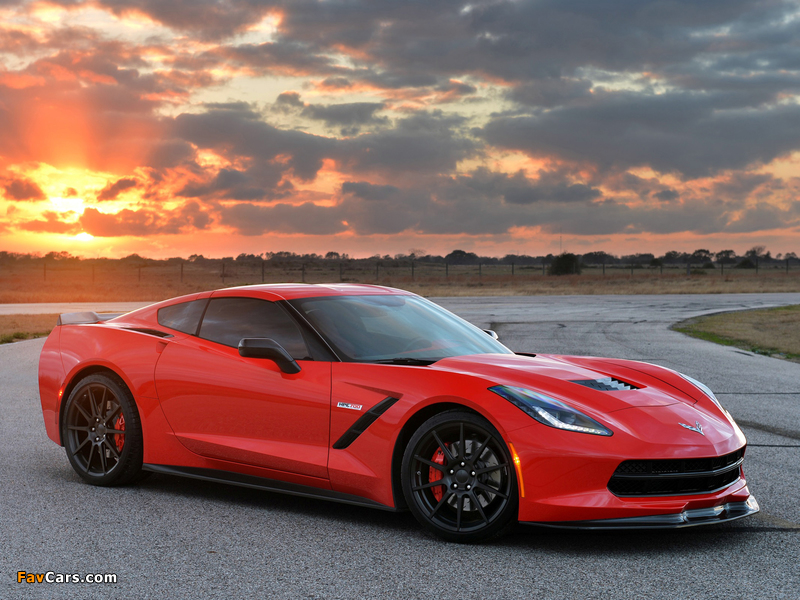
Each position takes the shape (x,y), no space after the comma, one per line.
(687,518)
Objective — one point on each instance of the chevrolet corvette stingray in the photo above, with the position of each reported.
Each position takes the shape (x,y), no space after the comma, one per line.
(377,397)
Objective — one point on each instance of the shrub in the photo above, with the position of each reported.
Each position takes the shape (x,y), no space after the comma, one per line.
(746,264)
(565,264)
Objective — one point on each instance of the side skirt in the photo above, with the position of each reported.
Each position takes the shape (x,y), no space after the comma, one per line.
(269,485)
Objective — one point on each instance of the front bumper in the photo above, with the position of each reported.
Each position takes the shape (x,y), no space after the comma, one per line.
(687,518)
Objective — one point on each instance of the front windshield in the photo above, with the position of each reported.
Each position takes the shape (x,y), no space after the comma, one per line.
(392,327)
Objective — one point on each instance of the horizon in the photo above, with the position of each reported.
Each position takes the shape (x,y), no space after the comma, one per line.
(528,128)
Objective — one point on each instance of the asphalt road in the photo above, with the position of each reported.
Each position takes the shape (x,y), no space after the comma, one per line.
(178,538)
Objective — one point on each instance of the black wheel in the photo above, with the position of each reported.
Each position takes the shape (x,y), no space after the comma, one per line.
(458,478)
(102,432)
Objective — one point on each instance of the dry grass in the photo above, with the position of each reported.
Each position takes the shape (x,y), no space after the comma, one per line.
(122,283)
(25,327)
(771,331)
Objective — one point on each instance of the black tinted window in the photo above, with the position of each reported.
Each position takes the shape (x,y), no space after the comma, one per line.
(228,320)
(184,317)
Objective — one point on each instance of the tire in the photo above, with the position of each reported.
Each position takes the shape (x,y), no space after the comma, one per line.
(102,431)
(477,498)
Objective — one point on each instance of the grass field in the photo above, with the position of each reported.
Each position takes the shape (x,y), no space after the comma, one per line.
(119,282)
(25,327)
(772,331)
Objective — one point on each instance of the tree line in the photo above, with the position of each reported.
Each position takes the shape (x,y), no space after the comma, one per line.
(701,258)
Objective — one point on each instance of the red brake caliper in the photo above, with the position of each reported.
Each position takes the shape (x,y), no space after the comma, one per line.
(436,474)
(119,438)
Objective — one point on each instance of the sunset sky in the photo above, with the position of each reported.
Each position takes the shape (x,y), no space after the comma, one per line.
(170,128)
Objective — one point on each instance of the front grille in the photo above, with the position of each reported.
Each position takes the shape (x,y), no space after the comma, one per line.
(605,384)
(675,477)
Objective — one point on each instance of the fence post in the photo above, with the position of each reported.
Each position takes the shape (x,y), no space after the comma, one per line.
(662,268)
(512,269)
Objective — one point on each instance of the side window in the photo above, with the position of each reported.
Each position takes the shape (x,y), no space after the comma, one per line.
(228,320)
(184,317)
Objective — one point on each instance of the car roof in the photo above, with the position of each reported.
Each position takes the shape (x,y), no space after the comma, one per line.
(290,291)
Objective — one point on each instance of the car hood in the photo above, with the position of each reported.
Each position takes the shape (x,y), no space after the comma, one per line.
(556,376)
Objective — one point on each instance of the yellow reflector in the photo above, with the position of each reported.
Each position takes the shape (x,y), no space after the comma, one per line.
(518,467)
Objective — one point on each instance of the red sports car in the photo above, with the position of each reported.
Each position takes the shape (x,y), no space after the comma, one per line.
(377,397)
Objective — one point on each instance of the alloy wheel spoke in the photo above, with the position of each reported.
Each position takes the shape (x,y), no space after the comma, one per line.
(477,502)
(86,415)
(442,502)
(445,449)
(93,404)
(80,446)
(462,450)
(425,486)
(115,431)
(112,448)
(490,489)
(459,510)
(424,461)
(78,428)
(102,459)
(490,469)
(89,460)
(477,455)
(112,413)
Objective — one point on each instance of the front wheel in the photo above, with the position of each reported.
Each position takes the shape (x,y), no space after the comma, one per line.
(102,432)
(458,478)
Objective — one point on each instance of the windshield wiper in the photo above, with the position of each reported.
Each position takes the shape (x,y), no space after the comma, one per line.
(404,361)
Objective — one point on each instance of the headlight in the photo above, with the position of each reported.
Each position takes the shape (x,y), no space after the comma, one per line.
(705,389)
(549,411)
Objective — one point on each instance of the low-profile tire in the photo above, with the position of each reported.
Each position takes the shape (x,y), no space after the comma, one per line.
(458,478)
(102,432)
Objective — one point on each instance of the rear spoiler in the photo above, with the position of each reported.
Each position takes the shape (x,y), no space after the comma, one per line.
(85,318)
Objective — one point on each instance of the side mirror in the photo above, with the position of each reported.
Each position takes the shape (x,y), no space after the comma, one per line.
(269,348)
(491,334)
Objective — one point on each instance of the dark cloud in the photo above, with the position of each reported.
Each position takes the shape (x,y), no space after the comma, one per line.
(690,134)
(210,19)
(519,189)
(112,190)
(145,222)
(250,219)
(23,189)
(369,191)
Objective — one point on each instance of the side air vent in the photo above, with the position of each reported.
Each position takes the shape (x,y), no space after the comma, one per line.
(145,330)
(606,384)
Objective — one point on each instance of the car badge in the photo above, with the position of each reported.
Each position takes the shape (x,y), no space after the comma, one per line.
(698,428)
(350,406)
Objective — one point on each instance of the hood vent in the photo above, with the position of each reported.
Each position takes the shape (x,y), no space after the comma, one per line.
(606,384)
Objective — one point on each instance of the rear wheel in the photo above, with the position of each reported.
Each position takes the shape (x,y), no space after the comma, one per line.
(102,432)
(458,478)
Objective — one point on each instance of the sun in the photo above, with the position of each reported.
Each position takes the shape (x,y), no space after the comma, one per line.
(84,237)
